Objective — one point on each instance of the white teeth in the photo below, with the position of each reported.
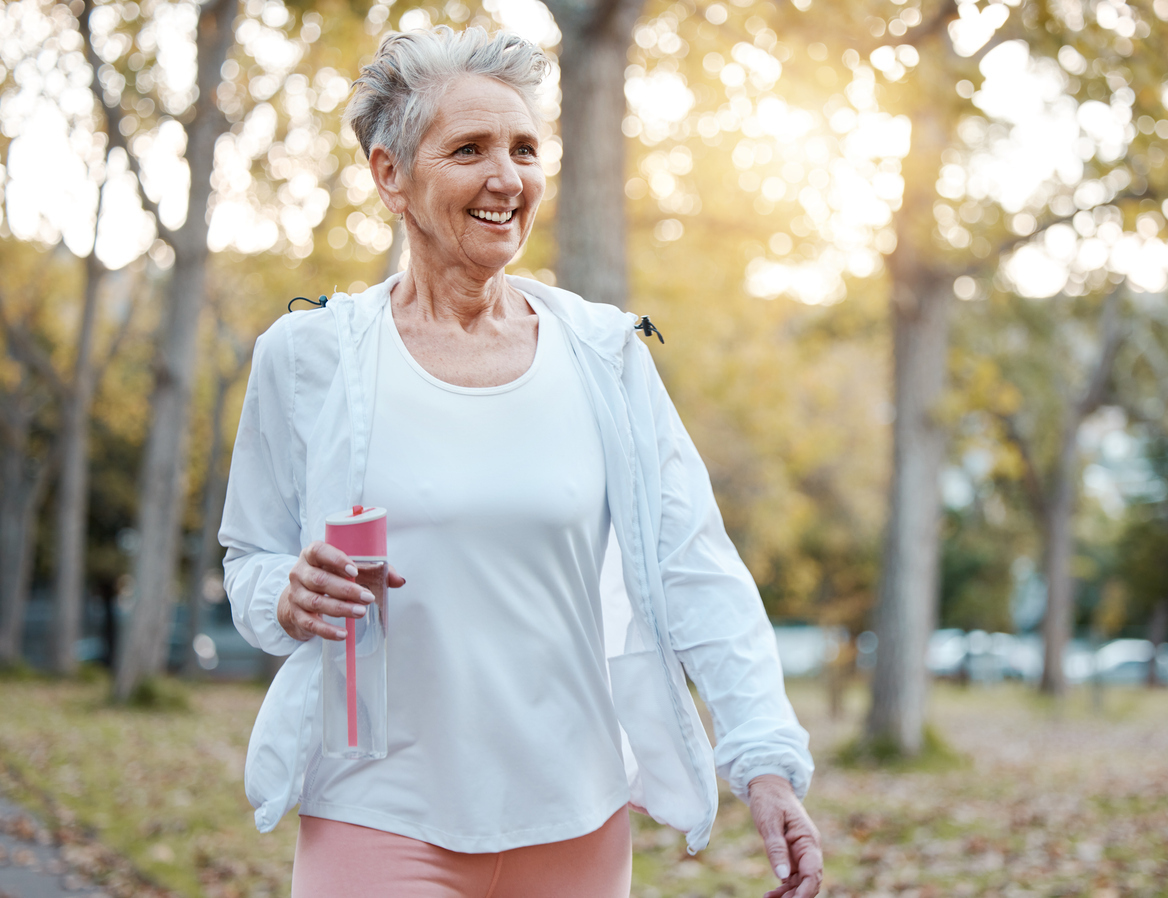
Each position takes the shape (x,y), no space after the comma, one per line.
(500,217)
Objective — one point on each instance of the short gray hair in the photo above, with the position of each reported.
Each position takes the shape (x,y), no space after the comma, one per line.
(396,97)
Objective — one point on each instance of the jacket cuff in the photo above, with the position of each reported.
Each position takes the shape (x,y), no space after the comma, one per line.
(275,639)
(272,637)
(783,763)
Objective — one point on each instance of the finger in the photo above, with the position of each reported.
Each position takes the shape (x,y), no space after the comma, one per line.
(316,604)
(296,626)
(317,627)
(810,886)
(787,887)
(392,578)
(322,555)
(295,630)
(320,581)
(807,854)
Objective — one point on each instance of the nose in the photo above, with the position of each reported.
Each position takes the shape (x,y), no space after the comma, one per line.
(505,178)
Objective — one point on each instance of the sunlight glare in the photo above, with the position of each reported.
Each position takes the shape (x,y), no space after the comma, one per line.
(659,99)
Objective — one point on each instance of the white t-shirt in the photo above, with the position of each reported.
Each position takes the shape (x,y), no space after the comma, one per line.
(501,726)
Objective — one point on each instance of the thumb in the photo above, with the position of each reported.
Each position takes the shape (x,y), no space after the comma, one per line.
(777,854)
(392,578)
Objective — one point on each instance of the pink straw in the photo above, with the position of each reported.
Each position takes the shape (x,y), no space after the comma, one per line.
(351,677)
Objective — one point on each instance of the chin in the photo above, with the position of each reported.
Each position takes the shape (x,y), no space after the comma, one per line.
(493,261)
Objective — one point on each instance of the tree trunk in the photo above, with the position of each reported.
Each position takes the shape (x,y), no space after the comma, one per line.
(1057,624)
(73,488)
(22,489)
(1058,506)
(919,308)
(590,206)
(163,496)
(909,578)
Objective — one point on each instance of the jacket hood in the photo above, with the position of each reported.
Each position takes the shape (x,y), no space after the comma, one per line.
(603,327)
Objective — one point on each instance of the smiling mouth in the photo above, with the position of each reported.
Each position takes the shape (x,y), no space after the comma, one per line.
(496,217)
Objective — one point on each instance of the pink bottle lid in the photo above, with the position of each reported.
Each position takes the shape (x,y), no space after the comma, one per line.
(359,532)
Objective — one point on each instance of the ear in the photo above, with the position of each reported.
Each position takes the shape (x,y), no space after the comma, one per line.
(388,179)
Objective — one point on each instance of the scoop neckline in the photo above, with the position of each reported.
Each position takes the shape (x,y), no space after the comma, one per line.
(536,306)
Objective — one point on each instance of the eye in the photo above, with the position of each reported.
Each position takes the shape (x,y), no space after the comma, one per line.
(526,150)
(468,149)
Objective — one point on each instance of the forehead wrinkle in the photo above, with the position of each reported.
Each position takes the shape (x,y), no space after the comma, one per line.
(477,119)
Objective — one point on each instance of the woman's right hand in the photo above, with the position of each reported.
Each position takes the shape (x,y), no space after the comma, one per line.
(321,582)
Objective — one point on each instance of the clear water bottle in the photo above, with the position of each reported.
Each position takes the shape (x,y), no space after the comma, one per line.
(353,687)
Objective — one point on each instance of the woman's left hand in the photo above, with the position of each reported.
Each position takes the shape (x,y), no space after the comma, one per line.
(791,839)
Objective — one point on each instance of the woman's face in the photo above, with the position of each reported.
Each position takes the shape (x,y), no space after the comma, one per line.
(477,180)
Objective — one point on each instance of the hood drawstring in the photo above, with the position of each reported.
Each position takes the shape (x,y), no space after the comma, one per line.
(319,303)
(648,328)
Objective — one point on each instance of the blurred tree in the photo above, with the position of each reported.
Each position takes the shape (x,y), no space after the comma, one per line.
(27,394)
(49,397)
(164,467)
(71,450)
(735,92)
(73,486)
(24,477)
(1052,487)
(1044,366)
(77,390)
(785,400)
(948,217)
(63,357)
(140,101)
(590,222)
(740,97)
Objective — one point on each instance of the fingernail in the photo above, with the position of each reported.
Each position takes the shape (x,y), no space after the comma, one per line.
(783,872)
(359,611)
(351,570)
(366,596)
(341,634)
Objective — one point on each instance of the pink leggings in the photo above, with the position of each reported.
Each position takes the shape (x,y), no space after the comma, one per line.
(340,860)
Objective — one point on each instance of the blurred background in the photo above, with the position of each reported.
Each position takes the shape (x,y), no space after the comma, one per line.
(908,257)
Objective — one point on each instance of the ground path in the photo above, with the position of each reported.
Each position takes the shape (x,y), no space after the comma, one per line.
(1049,800)
(32,862)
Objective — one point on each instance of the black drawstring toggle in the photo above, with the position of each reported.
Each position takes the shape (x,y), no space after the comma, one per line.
(648,328)
(319,303)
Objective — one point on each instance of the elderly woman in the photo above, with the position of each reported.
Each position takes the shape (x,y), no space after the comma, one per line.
(567,566)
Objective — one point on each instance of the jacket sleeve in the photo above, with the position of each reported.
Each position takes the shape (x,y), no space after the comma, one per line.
(716,622)
(261,515)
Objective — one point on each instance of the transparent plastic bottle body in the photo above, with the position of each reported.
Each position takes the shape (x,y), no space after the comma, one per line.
(353,685)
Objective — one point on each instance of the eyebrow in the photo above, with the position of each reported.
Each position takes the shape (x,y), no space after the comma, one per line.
(458,139)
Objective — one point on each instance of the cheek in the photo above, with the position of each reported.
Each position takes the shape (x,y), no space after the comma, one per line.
(534,185)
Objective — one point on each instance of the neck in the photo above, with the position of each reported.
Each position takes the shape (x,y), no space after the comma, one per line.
(440,292)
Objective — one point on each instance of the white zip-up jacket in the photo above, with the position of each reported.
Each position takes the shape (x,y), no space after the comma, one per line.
(677,598)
